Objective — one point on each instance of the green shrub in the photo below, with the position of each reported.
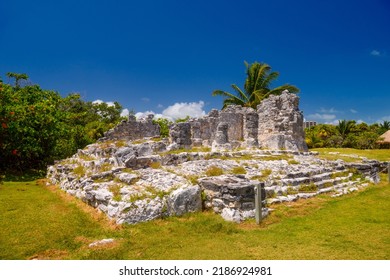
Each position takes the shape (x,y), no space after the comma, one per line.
(164,126)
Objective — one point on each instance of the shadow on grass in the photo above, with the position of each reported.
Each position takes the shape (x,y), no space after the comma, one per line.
(21,176)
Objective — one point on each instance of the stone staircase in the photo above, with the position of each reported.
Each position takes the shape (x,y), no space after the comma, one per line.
(308,184)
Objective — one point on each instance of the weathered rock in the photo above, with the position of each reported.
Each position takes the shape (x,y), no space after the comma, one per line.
(180,134)
(101,242)
(127,178)
(133,129)
(232,196)
(221,141)
(184,200)
(281,123)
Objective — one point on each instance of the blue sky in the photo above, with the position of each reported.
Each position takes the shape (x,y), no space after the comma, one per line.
(168,56)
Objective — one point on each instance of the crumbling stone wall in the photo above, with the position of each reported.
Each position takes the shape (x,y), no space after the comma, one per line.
(133,129)
(277,124)
(281,123)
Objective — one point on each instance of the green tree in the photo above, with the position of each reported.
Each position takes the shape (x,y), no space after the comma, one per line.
(257,87)
(18,77)
(39,126)
(345,127)
(383,127)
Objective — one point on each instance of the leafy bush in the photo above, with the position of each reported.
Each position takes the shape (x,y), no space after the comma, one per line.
(39,126)
(164,126)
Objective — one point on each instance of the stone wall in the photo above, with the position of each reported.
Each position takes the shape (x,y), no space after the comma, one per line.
(133,129)
(277,124)
(281,123)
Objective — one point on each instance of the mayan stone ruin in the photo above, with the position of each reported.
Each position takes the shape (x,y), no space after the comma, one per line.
(210,163)
(277,124)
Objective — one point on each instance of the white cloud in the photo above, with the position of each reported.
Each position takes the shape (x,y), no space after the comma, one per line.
(97,101)
(125,112)
(144,114)
(109,103)
(322,117)
(184,109)
(353,111)
(177,111)
(375,53)
(160,106)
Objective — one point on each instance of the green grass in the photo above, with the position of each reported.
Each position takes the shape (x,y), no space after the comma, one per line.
(45,223)
(378,154)
(39,222)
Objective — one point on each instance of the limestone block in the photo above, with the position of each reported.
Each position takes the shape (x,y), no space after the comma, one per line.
(184,200)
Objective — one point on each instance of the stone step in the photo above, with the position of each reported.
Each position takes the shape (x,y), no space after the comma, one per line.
(339,189)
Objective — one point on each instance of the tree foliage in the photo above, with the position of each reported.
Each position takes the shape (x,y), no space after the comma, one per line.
(39,126)
(257,87)
(346,134)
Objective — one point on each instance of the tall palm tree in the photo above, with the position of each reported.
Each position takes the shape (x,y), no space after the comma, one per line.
(256,87)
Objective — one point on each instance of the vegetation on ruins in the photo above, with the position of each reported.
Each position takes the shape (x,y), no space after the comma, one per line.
(39,126)
(257,87)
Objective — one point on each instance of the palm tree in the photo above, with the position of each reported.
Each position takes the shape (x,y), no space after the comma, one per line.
(345,127)
(383,127)
(256,87)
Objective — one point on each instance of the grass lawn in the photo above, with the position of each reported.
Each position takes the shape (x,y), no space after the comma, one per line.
(39,222)
(378,154)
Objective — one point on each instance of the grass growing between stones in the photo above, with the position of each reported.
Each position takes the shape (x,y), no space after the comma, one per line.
(45,223)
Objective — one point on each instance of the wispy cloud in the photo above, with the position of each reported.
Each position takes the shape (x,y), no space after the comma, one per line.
(353,111)
(328,111)
(384,118)
(321,117)
(145,99)
(375,53)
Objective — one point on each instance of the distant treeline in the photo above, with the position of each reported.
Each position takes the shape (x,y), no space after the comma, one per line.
(347,134)
(39,126)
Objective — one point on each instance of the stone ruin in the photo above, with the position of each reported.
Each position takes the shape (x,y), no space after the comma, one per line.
(133,176)
(277,124)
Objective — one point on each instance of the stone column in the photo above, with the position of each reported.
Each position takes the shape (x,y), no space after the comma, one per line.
(221,140)
(251,126)
(180,136)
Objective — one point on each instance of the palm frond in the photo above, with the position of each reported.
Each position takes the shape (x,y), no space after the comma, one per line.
(229,96)
(256,87)
(270,78)
(280,89)
(240,93)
